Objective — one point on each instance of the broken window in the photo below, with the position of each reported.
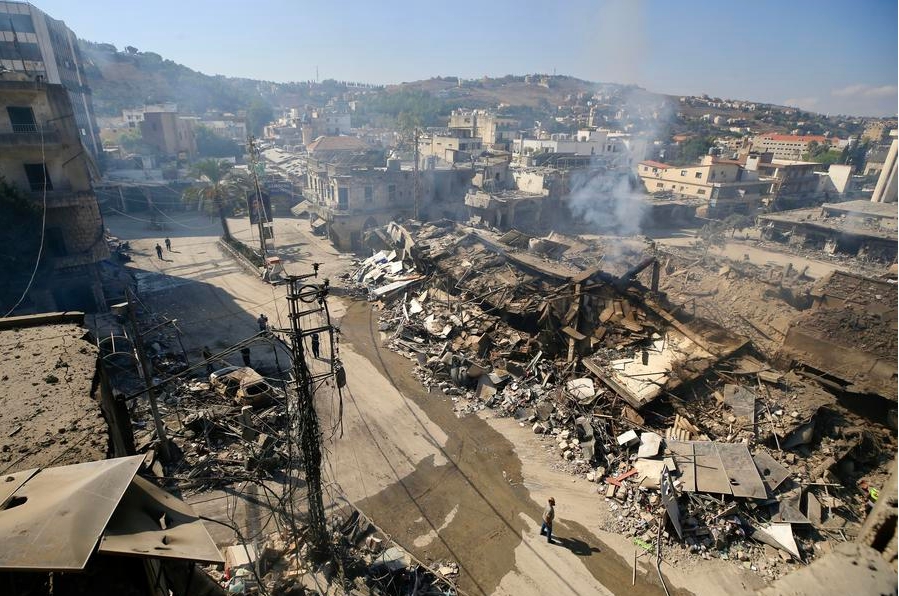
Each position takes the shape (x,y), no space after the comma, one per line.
(698,174)
(38,177)
(391,193)
(22,119)
(343,198)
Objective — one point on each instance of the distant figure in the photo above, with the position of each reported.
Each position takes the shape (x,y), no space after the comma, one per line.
(168,245)
(315,344)
(158,251)
(207,356)
(245,354)
(263,322)
(548,515)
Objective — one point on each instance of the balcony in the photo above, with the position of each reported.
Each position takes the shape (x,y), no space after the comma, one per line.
(28,135)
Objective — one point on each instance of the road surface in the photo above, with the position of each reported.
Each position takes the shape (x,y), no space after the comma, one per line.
(445,488)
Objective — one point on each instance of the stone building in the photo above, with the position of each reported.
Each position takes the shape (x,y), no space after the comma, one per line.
(43,158)
(351,190)
(169,134)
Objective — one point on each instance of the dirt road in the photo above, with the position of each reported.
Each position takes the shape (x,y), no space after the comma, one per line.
(443,487)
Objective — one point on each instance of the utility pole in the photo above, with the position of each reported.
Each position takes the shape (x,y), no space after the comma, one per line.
(416,186)
(303,300)
(253,152)
(138,342)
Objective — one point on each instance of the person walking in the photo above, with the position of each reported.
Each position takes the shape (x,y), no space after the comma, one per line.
(262,321)
(158,251)
(549,515)
(207,356)
(245,354)
(168,245)
(315,345)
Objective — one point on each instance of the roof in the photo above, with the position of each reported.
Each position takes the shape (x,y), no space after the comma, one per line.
(864,208)
(47,414)
(654,164)
(798,138)
(341,143)
(57,516)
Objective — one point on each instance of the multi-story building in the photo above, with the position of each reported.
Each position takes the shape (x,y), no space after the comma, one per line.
(324,122)
(35,43)
(496,132)
(169,134)
(353,188)
(789,146)
(451,145)
(724,186)
(41,155)
(586,142)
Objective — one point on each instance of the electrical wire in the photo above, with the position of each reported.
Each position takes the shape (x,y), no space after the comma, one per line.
(40,250)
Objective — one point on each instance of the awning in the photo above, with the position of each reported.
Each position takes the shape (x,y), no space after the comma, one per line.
(52,519)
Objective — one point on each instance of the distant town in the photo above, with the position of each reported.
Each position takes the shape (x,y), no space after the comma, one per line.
(351,338)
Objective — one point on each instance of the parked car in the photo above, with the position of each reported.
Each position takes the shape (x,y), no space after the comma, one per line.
(242,384)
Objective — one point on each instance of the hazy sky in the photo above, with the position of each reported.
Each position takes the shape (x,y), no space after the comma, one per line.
(827,56)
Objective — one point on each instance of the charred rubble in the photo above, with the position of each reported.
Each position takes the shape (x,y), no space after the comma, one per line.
(697,441)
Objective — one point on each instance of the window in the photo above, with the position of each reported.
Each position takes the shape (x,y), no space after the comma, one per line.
(369,193)
(38,177)
(683,172)
(391,193)
(659,185)
(698,175)
(22,119)
(701,191)
(56,243)
(343,200)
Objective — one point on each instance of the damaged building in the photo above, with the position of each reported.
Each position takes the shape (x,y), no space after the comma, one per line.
(698,442)
(48,173)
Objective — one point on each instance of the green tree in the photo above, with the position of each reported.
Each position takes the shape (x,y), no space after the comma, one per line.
(259,113)
(210,144)
(218,190)
(694,149)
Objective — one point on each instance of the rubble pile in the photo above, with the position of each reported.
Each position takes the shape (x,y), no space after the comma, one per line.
(673,416)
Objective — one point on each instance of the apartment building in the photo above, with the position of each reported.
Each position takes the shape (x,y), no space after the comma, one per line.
(169,134)
(41,155)
(724,186)
(32,42)
(496,132)
(789,146)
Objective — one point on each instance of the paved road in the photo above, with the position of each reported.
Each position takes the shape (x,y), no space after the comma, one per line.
(443,487)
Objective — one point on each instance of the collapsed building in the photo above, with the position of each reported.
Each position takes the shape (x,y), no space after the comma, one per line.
(695,437)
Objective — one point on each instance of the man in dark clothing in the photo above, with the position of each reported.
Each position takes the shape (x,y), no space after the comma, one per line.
(245,354)
(168,245)
(207,355)
(315,344)
(158,251)
(549,515)
(262,321)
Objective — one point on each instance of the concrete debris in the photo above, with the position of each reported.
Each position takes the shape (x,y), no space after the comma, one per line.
(731,450)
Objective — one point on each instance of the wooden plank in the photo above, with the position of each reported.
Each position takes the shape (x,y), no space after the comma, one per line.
(622,391)
(741,471)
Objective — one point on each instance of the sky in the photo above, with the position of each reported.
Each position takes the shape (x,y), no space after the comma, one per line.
(821,55)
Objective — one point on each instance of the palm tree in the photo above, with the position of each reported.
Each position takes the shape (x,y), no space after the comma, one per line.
(218,190)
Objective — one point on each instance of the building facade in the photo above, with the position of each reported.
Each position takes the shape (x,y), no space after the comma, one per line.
(169,134)
(41,155)
(789,146)
(724,186)
(35,43)
(496,132)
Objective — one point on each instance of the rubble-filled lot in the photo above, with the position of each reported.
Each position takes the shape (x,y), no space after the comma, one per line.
(699,446)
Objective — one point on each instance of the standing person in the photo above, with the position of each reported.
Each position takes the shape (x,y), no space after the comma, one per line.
(158,251)
(315,344)
(262,321)
(548,515)
(245,354)
(207,356)
(168,245)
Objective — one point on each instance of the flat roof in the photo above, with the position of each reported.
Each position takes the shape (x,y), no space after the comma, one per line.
(870,208)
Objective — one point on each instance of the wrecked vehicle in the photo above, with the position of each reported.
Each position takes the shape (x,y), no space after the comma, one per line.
(244,385)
